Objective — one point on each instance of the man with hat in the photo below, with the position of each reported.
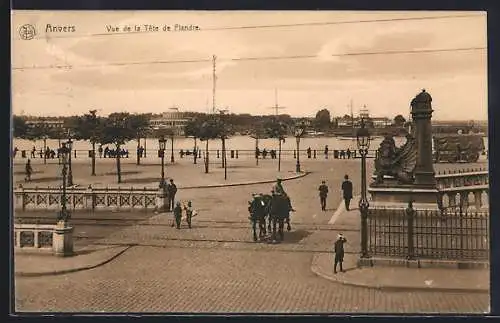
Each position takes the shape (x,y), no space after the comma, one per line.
(347,191)
(339,252)
(177,215)
(323,193)
(190,213)
(171,191)
(278,188)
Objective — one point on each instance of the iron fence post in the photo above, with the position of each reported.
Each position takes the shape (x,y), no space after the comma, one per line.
(410,212)
(363,206)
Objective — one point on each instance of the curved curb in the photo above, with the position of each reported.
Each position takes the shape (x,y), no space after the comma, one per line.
(72,270)
(394,288)
(246,183)
(303,174)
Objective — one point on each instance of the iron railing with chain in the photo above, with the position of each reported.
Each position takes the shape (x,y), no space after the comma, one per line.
(428,234)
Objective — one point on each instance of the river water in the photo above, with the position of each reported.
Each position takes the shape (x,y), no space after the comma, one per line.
(234,143)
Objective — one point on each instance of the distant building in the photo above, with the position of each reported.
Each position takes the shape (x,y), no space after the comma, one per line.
(50,123)
(344,122)
(173,119)
(364,114)
(375,122)
(381,122)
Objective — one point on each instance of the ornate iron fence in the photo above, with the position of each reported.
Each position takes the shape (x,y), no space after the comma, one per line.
(428,234)
(94,199)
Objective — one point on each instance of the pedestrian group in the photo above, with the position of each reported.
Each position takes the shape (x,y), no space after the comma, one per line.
(177,208)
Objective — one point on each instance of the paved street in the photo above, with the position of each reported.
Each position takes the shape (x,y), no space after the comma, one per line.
(155,279)
(216,267)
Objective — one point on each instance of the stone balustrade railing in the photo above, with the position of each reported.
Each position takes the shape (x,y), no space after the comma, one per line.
(463,190)
(461,178)
(466,189)
(39,236)
(95,199)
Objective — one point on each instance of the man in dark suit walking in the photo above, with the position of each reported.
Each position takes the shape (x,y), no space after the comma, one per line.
(347,191)
(323,193)
(171,191)
(339,252)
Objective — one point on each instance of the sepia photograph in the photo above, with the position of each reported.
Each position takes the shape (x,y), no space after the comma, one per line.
(250,162)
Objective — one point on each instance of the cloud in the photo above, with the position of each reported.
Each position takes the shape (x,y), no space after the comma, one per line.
(207,72)
(326,51)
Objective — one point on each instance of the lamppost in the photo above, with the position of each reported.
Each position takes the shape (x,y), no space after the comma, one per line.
(162,142)
(64,155)
(299,132)
(363,141)
(45,149)
(172,160)
(70,173)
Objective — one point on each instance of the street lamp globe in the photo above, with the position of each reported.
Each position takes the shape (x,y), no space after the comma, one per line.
(363,137)
(162,142)
(70,144)
(299,130)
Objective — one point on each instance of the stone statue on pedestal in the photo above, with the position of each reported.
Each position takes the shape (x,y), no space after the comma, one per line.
(397,162)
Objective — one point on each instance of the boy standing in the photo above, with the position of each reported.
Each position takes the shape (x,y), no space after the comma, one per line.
(339,252)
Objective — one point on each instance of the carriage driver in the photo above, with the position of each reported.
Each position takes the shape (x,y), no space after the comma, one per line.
(278,188)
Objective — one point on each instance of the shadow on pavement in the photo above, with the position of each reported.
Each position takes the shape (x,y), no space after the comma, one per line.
(127,172)
(295,236)
(142,180)
(238,166)
(40,180)
(24,173)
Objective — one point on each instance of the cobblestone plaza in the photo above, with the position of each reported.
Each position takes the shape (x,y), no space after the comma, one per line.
(216,267)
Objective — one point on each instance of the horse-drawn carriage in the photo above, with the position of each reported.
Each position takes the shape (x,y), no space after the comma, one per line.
(273,210)
(458,148)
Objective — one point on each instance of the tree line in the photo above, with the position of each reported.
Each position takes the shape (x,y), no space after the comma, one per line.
(118,128)
(241,123)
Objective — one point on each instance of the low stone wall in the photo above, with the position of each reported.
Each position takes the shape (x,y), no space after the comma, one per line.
(50,238)
(34,236)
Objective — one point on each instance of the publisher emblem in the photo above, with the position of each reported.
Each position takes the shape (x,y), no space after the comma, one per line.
(27,32)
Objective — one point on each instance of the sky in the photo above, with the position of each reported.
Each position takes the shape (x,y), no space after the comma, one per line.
(322,60)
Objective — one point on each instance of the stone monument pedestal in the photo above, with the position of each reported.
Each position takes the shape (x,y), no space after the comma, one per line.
(63,240)
(391,194)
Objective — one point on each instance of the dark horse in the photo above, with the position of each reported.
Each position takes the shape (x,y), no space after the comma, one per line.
(267,201)
(258,211)
(280,208)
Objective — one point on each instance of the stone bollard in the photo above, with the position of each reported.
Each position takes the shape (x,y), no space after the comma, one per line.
(63,240)
(19,198)
(161,199)
(89,198)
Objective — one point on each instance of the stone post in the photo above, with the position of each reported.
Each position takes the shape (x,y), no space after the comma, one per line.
(161,199)
(63,239)
(421,111)
(89,199)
